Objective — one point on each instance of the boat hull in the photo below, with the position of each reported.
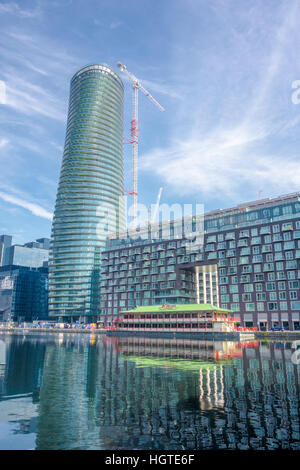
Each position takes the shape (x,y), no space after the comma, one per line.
(212,335)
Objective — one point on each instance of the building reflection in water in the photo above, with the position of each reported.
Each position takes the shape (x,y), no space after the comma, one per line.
(132,393)
(21,369)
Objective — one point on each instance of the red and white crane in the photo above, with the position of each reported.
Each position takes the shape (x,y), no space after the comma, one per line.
(135,134)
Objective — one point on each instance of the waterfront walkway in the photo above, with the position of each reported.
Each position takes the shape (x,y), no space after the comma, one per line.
(53,330)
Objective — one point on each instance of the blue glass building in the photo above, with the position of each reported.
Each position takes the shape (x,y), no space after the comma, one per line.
(18,255)
(32,254)
(89,192)
(23,293)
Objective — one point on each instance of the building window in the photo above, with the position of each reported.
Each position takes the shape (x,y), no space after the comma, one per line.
(233,289)
(235,307)
(249,307)
(272,306)
(287,236)
(291,264)
(246,297)
(248,288)
(261,296)
(287,226)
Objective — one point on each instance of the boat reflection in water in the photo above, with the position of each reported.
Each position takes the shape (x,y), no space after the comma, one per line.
(205,358)
(182,353)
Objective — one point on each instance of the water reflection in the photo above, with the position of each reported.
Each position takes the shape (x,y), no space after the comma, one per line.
(73,391)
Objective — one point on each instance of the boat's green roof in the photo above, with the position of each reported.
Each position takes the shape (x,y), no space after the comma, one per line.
(177,308)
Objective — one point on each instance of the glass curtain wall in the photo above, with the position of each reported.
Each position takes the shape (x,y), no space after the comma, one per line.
(89,202)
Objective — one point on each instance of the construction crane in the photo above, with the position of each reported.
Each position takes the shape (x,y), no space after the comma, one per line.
(135,134)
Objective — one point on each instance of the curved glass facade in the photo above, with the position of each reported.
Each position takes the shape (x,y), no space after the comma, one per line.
(90,189)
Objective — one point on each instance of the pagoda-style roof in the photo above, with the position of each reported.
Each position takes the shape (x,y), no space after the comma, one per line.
(182,308)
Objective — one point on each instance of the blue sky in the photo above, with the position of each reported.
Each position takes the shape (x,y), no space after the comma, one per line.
(223,69)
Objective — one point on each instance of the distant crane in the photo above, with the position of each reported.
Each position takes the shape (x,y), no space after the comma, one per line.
(259,194)
(135,134)
(156,206)
(152,216)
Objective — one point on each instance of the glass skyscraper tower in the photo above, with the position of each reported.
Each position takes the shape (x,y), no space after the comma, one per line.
(90,192)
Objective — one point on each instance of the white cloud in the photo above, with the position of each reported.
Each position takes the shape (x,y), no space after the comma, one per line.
(157,87)
(28,98)
(115,24)
(3,142)
(46,67)
(15,9)
(164,89)
(33,208)
(226,130)
(224,164)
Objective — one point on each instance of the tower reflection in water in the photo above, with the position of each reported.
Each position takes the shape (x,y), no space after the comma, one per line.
(134,393)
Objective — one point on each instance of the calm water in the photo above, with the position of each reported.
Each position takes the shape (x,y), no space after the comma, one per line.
(72,391)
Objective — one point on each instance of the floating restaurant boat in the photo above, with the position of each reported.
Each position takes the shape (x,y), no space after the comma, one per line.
(198,321)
